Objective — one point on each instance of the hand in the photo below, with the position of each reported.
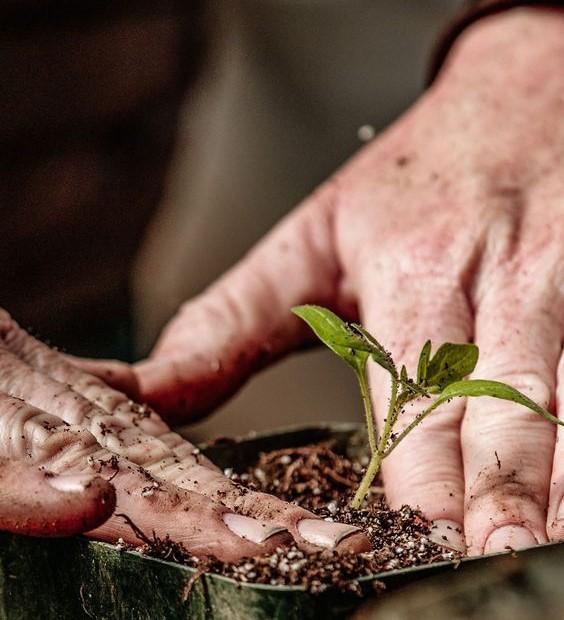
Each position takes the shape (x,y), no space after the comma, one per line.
(450,226)
(67,435)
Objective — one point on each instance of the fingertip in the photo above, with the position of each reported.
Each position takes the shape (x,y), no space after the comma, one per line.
(82,503)
(39,503)
(332,535)
(356,542)
(449,534)
(509,538)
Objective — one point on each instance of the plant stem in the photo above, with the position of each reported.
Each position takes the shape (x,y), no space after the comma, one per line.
(368,412)
(371,471)
(418,419)
(391,417)
(379,449)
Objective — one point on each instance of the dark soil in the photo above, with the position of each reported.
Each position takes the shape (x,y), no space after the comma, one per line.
(317,478)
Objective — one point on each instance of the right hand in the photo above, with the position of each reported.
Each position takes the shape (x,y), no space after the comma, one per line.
(65,435)
(448,227)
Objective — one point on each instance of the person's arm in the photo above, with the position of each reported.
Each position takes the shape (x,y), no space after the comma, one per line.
(448,226)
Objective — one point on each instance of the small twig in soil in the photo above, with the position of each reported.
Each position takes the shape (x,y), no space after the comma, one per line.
(136,529)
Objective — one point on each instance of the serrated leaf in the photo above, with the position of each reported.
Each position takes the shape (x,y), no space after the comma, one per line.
(451,362)
(335,334)
(423,363)
(493,389)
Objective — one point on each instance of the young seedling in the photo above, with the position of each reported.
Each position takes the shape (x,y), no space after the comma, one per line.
(442,376)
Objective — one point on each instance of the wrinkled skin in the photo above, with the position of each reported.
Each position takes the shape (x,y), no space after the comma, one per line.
(65,436)
(449,226)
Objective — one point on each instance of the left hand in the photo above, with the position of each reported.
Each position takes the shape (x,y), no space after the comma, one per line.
(72,449)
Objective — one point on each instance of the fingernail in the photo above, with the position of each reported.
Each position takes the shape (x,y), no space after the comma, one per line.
(71,483)
(448,534)
(509,537)
(252,529)
(325,533)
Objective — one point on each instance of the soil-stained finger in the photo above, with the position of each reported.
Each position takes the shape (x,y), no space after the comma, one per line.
(555,515)
(507,449)
(425,470)
(36,502)
(309,531)
(72,455)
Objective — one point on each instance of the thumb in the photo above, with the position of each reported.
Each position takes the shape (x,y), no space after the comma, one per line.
(36,503)
(243,321)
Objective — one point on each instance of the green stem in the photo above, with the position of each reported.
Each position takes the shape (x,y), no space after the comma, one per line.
(368,412)
(391,417)
(418,419)
(372,470)
(377,451)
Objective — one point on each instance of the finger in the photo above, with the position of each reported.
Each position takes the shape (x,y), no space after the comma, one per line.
(182,465)
(309,531)
(185,466)
(425,470)
(114,373)
(29,354)
(124,427)
(204,527)
(128,413)
(507,449)
(243,321)
(31,386)
(555,516)
(38,503)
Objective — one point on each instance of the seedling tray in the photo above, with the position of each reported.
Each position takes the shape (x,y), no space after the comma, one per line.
(76,578)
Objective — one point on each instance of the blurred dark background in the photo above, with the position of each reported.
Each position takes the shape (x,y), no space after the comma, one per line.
(88,115)
(144,147)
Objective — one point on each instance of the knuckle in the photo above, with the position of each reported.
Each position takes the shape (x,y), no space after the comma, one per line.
(29,433)
(503,493)
(533,383)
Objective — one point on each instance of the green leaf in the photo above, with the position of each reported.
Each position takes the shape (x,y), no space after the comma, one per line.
(403,374)
(451,362)
(335,334)
(377,351)
(412,389)
(423,363)
(494,389)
